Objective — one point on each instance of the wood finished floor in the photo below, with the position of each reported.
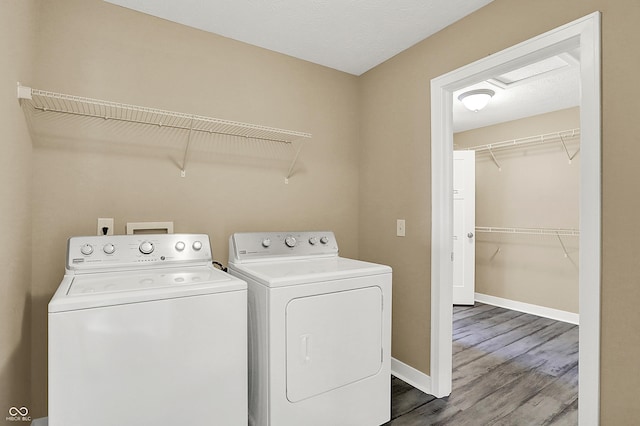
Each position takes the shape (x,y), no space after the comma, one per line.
(509,368)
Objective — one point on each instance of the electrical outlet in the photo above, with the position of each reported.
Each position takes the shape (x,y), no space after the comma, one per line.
(400,228)
(105,223)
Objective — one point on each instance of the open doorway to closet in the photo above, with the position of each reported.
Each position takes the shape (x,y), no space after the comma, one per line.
(518,159)
(583,35)
(523,174)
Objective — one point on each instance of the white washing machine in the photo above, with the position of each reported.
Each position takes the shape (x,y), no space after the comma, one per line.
(144,331)
(319,331)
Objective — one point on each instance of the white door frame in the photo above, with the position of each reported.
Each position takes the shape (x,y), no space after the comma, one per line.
(585,34)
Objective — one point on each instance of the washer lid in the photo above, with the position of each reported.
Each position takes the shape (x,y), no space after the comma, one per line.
(118,288)
(285,273)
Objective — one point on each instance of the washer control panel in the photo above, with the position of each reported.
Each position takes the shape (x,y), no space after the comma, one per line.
(130,251)
(258,245)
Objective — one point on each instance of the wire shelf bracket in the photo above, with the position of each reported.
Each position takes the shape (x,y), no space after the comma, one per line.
(493,157)
(183,170)
(76,105)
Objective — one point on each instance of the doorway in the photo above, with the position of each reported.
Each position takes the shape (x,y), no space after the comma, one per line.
(584,35)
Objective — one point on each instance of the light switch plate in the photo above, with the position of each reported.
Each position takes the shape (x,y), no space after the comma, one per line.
(400,228)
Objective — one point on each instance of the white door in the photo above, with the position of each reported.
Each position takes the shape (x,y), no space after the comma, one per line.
(464,224)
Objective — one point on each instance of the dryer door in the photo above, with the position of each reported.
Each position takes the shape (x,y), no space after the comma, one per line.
(332,340)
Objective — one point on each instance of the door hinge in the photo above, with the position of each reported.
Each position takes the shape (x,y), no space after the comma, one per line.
(452,256)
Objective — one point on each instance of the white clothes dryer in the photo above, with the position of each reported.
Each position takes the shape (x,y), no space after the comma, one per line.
(319,331)
(144,331)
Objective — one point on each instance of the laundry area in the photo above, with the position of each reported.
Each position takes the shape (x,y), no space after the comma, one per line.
(142,155)
(184,144)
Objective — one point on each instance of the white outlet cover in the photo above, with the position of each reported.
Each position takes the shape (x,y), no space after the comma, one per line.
(105,222)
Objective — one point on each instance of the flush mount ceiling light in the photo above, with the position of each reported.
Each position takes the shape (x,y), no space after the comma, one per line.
(475,100)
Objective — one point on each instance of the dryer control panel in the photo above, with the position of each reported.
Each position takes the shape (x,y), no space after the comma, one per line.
(269,245)
(113,252)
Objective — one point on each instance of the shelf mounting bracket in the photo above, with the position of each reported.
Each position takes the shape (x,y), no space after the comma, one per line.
(564,249)
(493,157)
(293,163)
(183,170)
(24,92)
(566,150)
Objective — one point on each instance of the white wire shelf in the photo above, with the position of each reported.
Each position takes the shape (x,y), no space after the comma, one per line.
(562,137)
(76,105)
(563,232)
(555,232)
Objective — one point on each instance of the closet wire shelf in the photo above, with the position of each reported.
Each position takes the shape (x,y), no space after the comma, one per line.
(557,232)
(564,232)
(77,105)
(562,137)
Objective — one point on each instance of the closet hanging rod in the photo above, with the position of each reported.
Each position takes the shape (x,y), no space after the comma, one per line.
(528,141)
(530,231)
(76,105)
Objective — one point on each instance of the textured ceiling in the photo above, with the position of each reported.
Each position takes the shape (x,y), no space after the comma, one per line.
(348,35)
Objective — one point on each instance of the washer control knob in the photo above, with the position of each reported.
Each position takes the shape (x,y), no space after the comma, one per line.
(313,241)
(324,240)
(290,241)
(266,242)
(197,245)
(180,246)
(109,248)
(86,249)
(146,247)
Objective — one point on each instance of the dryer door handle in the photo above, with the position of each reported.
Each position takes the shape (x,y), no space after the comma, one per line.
(305,348)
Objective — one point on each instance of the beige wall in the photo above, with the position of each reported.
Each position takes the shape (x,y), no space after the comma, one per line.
(84,170)
(16,51)
(536,187)
(395,174)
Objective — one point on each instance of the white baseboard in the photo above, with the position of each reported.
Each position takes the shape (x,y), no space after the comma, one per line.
(541,311)
(410,375)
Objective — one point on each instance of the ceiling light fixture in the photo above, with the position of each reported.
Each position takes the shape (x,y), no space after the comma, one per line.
(475,100)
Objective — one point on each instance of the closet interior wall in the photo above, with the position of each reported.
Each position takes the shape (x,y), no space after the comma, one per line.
(535,187)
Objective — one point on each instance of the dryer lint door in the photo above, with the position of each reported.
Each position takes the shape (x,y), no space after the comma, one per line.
(332,340)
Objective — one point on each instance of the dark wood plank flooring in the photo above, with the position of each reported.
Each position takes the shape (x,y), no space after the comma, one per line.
(509,368)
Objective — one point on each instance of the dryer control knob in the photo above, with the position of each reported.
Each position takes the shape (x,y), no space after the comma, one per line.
(290,241)
(266,242)
(109,248)
(313,241)
(180,246)
(86,249)
(197,245)
(324,240)
(146,247)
